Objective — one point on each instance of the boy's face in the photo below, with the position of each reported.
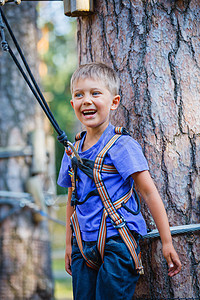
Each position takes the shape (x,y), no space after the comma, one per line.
(92,103)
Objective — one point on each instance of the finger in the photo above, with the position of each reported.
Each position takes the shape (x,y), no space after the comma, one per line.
(69,271)
(68,266)
(169,262)
(171,268)
(174,267)
(173,272)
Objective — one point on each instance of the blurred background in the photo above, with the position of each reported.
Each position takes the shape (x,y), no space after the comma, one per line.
(58,60)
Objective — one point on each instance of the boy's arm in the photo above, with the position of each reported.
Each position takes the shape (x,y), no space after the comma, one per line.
(151,196)
(68,249)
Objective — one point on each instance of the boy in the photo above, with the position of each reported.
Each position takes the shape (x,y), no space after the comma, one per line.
(105,266)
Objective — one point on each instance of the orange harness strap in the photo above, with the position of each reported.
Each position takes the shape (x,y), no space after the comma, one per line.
(117,221)
(110,209)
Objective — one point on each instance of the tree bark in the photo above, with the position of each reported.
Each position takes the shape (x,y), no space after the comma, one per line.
(154,47)
(25,266)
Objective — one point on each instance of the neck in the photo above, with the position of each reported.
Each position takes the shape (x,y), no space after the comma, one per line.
(92,137)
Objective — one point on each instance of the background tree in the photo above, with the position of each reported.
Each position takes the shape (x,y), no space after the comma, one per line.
(25,266)
(154,47)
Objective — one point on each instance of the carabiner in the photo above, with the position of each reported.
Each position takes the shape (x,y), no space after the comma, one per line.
(75,152)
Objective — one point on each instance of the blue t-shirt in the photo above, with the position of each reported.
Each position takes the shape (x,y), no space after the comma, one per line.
(127,157)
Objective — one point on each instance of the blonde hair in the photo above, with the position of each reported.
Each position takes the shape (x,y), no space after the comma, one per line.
(97,71)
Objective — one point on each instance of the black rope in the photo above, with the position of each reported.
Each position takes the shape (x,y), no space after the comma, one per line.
(62,138)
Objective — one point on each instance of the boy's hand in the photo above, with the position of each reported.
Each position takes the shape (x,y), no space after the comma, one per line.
(172,259)
(68,252)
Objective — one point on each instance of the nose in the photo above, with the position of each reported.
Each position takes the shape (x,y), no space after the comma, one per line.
(87,100)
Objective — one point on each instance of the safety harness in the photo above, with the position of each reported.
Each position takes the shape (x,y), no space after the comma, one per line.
(94,170)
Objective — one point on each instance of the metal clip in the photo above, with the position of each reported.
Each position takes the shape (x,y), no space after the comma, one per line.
(141,270)
(75,152)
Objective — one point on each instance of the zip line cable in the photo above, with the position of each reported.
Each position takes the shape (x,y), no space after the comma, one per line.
(174,230)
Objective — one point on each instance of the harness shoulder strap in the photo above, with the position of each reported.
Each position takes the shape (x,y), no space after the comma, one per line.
(118,130)
(122,130)
(79,135)
(116,219)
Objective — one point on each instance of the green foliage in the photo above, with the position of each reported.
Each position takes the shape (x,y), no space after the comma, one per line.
(59,264)
(63,282)
(58,231)
(63,286)
(63,289)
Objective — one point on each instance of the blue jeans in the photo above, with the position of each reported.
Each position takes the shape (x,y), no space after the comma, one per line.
(116,279)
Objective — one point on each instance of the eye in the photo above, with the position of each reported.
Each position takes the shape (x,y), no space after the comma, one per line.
(95,93)
(78,95)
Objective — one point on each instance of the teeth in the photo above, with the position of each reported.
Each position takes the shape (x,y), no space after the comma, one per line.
(88,112)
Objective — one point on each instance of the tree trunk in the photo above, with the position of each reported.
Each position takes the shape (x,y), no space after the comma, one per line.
(25,266)
(154,47)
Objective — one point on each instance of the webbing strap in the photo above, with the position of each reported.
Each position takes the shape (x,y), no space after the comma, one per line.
(76,228)
(102,230)
(110,209)
(109,169)
(73,179)
(100,184)
(117,220)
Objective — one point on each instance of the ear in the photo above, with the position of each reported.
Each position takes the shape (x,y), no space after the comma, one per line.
(115,102)
(72,103)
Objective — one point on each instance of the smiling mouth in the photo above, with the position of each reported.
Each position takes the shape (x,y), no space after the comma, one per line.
(88,112)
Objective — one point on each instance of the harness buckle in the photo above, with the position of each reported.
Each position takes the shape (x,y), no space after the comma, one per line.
(120,225)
